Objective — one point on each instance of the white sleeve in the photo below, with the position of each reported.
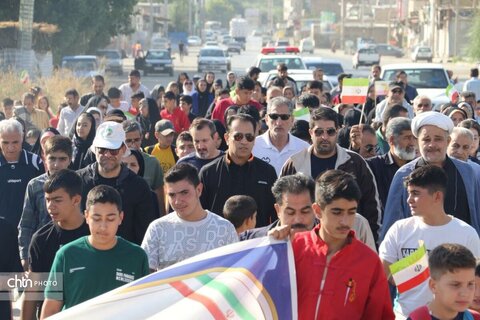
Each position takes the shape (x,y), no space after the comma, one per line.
(474,244)
(389,247)
(61,123)
(151,245)
(232,234)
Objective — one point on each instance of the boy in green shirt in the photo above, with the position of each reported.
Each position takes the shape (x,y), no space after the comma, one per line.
(97,263)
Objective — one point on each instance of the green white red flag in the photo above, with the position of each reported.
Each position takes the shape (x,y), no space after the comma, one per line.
(354,90)
(452,93)
(411,271)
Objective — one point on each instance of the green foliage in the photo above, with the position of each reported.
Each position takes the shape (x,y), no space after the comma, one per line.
(221,10)
(473,49)
(178,14)
(85,25)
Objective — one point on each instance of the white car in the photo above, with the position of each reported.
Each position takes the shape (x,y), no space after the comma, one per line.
(365,57)
(331,67)
(301,78)
(194,41)
(429,79)
(307,45)
(422,53)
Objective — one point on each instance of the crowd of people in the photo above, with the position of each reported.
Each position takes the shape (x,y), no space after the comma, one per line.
(118,183)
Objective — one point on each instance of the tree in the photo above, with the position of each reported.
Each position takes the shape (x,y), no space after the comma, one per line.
(220,10)
(473,49)
(178,14)
(86,25)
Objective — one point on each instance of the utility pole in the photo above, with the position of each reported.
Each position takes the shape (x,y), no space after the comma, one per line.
(190,4)
(342,24)
(165,4)
(150,26)
(25,22)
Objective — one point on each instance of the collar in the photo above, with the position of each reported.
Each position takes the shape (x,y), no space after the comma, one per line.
(229,160)
(323,246)
(389,158)
(22,159)
(268,141)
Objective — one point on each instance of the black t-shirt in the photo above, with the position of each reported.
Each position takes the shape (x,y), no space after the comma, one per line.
(456,201)
(46,242)
(319,165)
(198,162)
(9,260)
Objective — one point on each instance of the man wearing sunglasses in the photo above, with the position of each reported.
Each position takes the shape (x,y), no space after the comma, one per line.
(395,95)
(239,172)
(276,145)
(109,148)
(325,154)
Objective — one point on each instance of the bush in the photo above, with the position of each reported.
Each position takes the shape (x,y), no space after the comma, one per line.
(53,87)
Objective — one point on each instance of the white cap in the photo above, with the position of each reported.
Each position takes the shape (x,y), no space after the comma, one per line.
(110,135)
(432,118)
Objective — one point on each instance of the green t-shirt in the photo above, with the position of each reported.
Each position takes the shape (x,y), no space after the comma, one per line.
(88,272)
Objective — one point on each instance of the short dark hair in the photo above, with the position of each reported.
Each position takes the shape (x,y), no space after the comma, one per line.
(186,98)
(182,171)
(98,77)
(449,257)
(309,100)
(7,102)
(104,194)
(65,179)
(474,72)
(470,124)
(169,95)
(367,128)
(468,94)
(245,83)
(282,67)
(200,123)
(239,208)
(400,73)
(250,110)
(336,184)
(134,73)
(314,84)
(241,117)
(253,71)
(295,184)
(131,126)
(322,113)
(429,177)
(140,95)
(59,143)
(114,93)
(392,112)
(71,92)
(184,136)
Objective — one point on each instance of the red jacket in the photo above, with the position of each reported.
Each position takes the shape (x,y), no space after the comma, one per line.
(178,118)
(222,106)
(355,285)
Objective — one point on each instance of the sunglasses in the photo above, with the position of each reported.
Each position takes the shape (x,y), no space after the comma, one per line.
(113,152)
(275,116)
(136,140)
(369,148)
(239,136)
(330,132)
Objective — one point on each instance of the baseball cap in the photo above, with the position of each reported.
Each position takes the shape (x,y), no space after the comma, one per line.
(396,85)
(110,135)
(219,82)
(164,127)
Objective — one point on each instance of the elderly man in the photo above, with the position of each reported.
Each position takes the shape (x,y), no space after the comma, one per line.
(470,98)
(402,150)
(432,130)
(422,103)
(17,168)
(276,145)
(395,95)
(325,154)
(459,147)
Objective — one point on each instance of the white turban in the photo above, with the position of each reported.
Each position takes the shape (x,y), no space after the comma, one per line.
(431,118)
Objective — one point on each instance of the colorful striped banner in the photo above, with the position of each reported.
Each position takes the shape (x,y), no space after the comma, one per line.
(411,271)
(239,281)
(354,90)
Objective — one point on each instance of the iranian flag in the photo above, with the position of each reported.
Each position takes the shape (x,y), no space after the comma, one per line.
(411,271)
(452,93)
(354,90)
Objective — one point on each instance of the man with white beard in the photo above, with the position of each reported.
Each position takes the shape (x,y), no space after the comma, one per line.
(402,150)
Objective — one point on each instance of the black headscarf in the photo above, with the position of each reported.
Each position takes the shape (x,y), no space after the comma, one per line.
(141,162)
(81,146)
(37,147)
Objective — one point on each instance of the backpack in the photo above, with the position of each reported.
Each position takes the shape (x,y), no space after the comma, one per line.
(422,313)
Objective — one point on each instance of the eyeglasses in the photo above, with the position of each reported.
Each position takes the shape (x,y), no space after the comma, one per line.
(136,140)
(275,116)
(113,152)
(330,132)
(239,136)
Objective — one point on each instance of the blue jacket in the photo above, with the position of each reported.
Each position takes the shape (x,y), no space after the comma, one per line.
(397,207)
(197,109)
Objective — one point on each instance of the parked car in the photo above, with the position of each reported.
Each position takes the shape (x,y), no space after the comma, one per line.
(429,79)
(422,53)
(301,77)
(307,45)
(213,58)
(82,66)
(155,61)
(365,57)
(388,50)
(112,59)
(194,41)
(331,67)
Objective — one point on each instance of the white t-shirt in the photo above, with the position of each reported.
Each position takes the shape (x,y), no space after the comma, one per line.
(266,151)
(127,92)
(124,106)
(402,239)
(171,239)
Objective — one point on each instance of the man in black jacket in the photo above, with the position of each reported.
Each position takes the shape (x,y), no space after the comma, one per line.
(239,172)
(109,148)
